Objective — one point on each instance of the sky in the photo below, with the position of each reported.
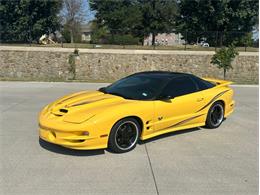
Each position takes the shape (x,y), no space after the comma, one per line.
(90,14)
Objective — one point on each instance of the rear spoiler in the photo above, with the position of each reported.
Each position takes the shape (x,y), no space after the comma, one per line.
(218,82)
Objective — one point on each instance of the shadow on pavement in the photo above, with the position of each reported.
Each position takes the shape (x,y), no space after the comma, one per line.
(62,150)
(169,134)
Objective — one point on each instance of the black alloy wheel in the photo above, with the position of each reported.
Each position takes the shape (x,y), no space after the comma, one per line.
(124,135)
(215,115)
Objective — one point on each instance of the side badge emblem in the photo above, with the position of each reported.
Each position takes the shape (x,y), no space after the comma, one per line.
(160,118)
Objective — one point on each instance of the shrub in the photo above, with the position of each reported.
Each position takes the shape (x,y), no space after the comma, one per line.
(127,39)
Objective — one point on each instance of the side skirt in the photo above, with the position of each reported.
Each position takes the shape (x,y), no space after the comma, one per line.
(154,134)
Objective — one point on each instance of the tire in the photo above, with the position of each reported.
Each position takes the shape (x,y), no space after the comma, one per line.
(215,115)
(124,135)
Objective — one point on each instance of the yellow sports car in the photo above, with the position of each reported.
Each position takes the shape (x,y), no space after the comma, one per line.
(140,106)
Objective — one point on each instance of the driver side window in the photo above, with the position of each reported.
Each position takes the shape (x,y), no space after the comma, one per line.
(179,86)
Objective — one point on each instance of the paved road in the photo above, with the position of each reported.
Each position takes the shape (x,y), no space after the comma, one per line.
(198,161)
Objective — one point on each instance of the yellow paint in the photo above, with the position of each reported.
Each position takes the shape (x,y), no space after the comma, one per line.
(96,113)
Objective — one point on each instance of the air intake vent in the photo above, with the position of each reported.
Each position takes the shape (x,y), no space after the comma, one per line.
(63,110)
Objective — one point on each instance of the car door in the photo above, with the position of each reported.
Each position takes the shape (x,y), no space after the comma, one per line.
(181,109)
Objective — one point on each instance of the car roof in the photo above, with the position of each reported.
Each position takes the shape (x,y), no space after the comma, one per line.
(162,74)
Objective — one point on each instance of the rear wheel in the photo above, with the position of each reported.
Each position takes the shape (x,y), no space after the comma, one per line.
(215,115)
(124,135)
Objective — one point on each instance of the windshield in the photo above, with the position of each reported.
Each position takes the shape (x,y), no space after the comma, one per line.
(137,87)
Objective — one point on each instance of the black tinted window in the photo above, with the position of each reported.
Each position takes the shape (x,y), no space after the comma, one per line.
(202,84)
(179,86)
(138,87)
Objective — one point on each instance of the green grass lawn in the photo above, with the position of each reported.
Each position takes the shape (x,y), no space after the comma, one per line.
(107,46)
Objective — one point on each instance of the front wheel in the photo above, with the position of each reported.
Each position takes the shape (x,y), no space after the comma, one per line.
(215,115)
(124,135)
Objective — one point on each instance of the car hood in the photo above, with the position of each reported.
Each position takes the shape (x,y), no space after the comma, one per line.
(79,107)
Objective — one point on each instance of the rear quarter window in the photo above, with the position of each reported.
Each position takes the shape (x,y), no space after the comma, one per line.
(202,84)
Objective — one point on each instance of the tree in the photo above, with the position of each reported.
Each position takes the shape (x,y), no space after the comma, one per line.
(224,57)
(199,16)
(73,15)
(158,17)
(27,20)
(99,33)
(119,16)
(247,40)
(136,17)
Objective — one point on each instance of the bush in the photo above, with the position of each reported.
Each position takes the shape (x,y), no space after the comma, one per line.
(123,40)
(114,39)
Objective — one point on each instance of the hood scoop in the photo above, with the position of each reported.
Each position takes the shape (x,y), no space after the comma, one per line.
(59,112)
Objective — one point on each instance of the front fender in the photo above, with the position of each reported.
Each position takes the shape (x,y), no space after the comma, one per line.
(105,120)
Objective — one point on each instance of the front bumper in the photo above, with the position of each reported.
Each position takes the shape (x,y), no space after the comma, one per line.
(75,140)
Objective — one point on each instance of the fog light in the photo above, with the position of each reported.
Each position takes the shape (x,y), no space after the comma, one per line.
(85,133)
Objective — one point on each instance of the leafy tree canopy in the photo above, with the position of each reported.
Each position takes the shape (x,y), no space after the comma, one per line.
(159,16)
(198,16)
(138,17)
(120,16)
(25,20)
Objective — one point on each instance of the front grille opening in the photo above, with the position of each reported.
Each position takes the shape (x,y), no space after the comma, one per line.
(63,110)
(75,140)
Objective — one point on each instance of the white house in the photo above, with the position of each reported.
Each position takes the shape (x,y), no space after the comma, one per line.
(170,39)
(86,32)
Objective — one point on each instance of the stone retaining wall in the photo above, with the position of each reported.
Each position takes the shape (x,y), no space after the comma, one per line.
(18,63)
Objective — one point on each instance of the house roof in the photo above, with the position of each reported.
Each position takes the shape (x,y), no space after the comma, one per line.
(86,27)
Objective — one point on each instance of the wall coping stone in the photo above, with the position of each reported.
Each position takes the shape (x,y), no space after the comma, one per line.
(117,51)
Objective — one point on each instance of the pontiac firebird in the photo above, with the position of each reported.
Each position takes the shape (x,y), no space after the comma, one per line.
(140,106)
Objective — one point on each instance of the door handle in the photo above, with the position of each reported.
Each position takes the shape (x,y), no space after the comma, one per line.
(200,99)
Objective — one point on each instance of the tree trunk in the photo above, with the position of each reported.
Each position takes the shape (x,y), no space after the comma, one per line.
(221,39)
(113,38)
(153,38)
(71,36)
(30,36)
(225,73)
(216,41)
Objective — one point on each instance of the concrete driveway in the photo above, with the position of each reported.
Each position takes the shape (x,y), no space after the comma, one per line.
(197,161)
